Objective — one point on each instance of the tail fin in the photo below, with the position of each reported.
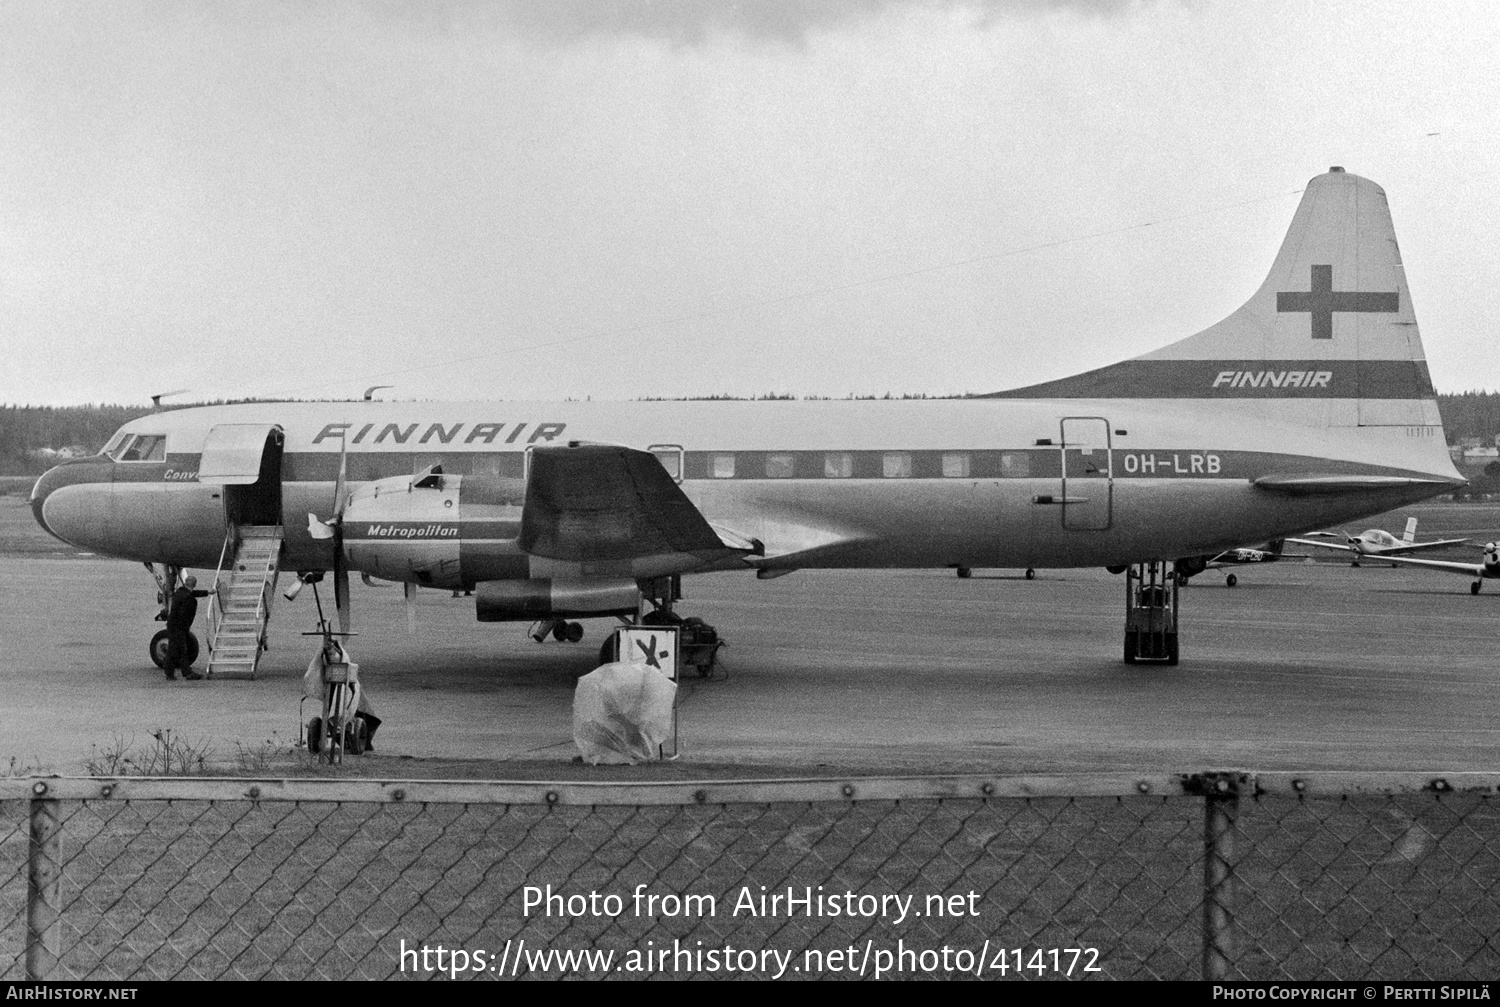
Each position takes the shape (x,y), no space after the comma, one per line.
(1330,336)
(1411,531)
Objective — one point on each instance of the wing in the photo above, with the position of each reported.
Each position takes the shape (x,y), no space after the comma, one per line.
(1323,545)
(1467,569)
(1402,550)
(600,503)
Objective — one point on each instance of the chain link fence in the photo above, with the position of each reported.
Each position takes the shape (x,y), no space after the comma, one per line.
(1254,876)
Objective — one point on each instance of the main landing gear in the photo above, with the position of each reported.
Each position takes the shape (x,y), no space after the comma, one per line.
(1151,613)
(698,643)
(560,630)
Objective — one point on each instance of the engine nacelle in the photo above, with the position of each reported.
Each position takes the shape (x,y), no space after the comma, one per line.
(541,598)
(438,530)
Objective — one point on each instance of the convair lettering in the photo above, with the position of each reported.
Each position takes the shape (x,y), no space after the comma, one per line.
(362,431)
(179,475)
(546,432)
(1272,379)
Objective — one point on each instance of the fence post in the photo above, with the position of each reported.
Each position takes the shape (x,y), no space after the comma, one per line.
(1221,805)
(43,886)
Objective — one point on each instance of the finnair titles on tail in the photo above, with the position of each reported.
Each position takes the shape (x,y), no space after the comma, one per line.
(1309,406)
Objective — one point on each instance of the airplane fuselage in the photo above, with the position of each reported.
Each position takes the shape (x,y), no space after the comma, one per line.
(871,484)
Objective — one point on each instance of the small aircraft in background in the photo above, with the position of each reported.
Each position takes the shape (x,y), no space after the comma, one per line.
(1378,544)
(1486,569)
(1269,552)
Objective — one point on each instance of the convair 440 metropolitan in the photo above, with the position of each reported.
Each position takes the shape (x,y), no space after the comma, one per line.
(1309,406)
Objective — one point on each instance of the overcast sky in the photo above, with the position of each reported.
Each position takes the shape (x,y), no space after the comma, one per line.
(625,199)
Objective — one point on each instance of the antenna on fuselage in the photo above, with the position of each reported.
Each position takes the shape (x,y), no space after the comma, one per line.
(370,392)
(156,399)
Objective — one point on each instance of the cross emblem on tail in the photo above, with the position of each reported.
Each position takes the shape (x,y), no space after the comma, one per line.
(1322,301)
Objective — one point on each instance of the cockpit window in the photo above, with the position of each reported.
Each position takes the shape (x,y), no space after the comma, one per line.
(112,449)
(143,448)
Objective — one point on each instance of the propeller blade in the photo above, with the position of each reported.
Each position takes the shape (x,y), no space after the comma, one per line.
(340,485)
(318,528)
(341,587)
(411,608)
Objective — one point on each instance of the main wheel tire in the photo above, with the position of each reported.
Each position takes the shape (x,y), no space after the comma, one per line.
(1131,648)
(964,573)
(560,632)
(192,649)
(1474,587)
(158,649)
(1030,573)
(315,735)
(1231,580)
(1171,648)
(574,632)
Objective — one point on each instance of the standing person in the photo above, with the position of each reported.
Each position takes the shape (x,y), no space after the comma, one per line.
(182,609)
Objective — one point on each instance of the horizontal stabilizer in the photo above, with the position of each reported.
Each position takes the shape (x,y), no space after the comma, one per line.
(1307,484)
(604,502)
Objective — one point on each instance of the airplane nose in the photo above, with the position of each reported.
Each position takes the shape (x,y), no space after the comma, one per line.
(69,473)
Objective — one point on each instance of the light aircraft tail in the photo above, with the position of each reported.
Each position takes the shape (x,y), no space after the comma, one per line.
(1329,340)
(1411,531)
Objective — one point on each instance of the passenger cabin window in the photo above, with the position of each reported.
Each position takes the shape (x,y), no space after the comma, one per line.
(670,457)
(1015,464)
(144,448)
(778,466)
(721,466)
(896,465)
(838,465)
(955,465)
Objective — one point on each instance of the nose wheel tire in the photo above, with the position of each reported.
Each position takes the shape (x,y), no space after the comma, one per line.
(157,648)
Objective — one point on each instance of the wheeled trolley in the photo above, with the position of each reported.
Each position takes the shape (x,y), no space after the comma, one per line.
(340,727)
(1151,613)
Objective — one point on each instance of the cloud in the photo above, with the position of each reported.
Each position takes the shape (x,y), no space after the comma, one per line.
(694,22)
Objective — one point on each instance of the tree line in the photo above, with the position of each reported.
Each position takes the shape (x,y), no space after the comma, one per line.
(27,433)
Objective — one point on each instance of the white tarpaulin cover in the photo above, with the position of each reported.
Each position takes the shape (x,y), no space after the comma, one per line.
(622,713)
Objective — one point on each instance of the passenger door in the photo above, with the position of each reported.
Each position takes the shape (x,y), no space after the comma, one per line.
(1087,473)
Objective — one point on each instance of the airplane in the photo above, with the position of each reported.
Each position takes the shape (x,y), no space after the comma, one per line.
(1380,544)
(1270,552)
(1309,405)
(1486,569)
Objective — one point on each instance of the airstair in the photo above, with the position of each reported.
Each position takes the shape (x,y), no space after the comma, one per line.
(240,605)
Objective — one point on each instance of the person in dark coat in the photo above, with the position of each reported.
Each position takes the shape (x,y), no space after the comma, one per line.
(181,611)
